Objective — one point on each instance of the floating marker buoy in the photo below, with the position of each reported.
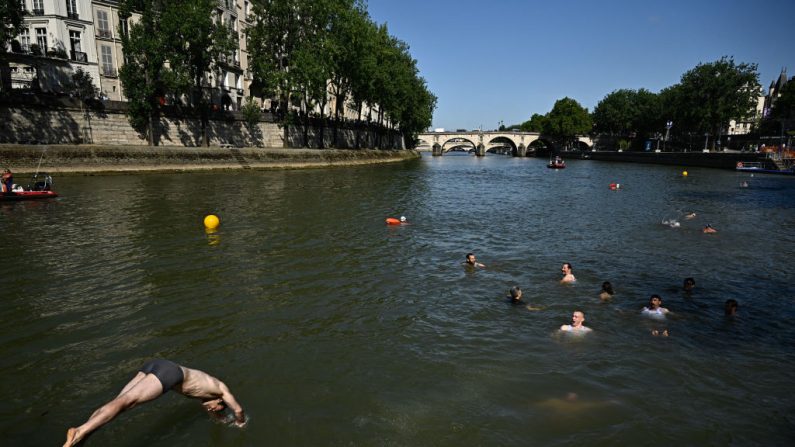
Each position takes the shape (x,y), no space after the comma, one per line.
(684,173)
(615,186)
(211,221)
(392,221)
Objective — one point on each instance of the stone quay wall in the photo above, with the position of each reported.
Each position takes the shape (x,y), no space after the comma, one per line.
(32,119)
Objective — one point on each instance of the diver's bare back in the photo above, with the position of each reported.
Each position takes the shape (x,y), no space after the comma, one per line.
(199,384)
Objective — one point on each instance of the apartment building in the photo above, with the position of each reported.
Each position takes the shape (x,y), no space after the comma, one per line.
(57,38)
(60,36)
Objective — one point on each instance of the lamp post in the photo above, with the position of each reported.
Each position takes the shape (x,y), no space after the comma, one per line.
(668,126)
(706,139)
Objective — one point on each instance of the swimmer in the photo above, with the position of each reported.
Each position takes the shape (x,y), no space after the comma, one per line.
(515,298)
(690,215)
(744,184)
(153,380)
(708,229)
(403,219)
(730,308)
(472,262)
(671,223)
(515,295)
(655,309)
(576,326)
(689,284)
(607,293)
(657,333)
(568,276)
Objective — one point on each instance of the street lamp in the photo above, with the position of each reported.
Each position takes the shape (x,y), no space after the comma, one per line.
(706,139)
(668,126)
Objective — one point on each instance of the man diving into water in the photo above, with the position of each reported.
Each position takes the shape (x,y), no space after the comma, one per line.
(154,379)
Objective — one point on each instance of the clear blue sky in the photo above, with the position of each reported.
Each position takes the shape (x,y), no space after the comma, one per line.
(496,60)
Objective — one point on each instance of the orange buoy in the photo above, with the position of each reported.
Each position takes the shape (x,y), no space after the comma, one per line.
(392,221)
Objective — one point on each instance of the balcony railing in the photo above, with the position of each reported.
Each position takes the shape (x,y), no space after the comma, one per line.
(109,72)
(79,56)
(106,33)
(37,12)
(73,15)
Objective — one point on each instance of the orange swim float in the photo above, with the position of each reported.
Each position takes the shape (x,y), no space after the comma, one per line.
(392,221)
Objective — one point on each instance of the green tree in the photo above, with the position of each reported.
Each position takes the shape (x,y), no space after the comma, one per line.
(143,75)
(615,113)
(534,124)
(272,42)
(566,121)
(11,14)
(628,112)
(783,109)
(710,95)
(346,48)
(198,43)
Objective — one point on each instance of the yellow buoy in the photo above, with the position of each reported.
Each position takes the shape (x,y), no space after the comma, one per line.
(211,221)
(684,173)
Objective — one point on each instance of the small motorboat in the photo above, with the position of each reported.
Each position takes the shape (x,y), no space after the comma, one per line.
(40,187)
(762,168)
(556,163)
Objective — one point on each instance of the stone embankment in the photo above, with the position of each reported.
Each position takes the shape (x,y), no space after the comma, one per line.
(724,160)
(91,159)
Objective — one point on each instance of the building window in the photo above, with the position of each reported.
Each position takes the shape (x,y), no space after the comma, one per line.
(102,24)
(230,4)
(107,61)
(77,52)
(71,8)
(74,40)
(41,39)
(38,7)
(125,27)
(24,40)
(245,9)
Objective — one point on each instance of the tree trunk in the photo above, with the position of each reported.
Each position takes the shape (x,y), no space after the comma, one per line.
(357,145)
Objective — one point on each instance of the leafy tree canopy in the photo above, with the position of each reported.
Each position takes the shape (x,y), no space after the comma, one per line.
(566,120)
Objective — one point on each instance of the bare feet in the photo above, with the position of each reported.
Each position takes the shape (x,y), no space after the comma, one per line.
(70,437)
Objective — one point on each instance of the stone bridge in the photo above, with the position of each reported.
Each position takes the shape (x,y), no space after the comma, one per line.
(518,144)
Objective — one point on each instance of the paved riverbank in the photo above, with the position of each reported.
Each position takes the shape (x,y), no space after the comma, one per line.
(723,160)
(91,159)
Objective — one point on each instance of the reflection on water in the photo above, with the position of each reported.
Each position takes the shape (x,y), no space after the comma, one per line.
(333,328)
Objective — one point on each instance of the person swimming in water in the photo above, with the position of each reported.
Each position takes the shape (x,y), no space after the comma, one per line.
(606,295)
(576,326)
(472,262)
(689,284)
(730,307)
(153,380)
(655,309)
(515,298)
(568,276)
(708,229)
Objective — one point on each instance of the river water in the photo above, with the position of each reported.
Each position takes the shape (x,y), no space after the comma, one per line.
(334,329)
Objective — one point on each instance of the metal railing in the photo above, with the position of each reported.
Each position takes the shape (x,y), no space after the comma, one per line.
(106,33)
(109,72)
(73,15)
(79,56)
(37,12)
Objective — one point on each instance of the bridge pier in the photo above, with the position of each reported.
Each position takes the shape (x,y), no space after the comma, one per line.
(437,150)
(521,151)
(480,150)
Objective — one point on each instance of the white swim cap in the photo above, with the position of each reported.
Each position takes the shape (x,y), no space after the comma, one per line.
(402,218)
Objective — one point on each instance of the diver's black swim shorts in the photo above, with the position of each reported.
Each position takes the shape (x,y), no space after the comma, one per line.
(167,372)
